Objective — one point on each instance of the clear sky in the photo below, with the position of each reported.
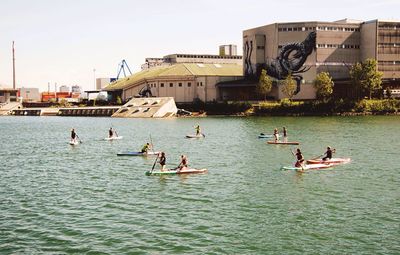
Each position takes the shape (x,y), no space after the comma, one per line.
(62,41)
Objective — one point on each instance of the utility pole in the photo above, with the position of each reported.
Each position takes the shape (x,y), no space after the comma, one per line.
(13,52)
(94,78)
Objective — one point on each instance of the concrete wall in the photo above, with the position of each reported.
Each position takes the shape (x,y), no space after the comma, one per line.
(368,40)
(30,94)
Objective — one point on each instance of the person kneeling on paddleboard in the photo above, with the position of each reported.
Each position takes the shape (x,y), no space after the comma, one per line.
(146,148)
(328,153)
(162,161)
(183,164)
(300,158)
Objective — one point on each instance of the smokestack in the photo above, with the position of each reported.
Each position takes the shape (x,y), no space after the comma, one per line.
(13,51)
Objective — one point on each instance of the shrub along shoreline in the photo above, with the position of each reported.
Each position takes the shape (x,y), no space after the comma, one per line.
(286,107)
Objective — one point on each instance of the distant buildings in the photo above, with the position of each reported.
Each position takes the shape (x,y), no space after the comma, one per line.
(339,45)
(29,94)
(101,83)
(64,88)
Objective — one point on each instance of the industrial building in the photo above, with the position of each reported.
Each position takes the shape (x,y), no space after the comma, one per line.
(184,82)
(338,46)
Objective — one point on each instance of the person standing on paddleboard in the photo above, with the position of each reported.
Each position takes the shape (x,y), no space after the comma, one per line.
(110,132)
(284,134)
(328,153)
(276,135)
(198,130)
(300,158)
(73,135)
(162,161)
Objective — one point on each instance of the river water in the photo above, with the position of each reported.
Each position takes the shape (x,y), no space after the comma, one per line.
(57,198)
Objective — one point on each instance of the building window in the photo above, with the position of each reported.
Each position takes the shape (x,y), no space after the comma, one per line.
(180,84)
(201,84)
(162,85)
(189,84)
(198,84)
(171,85)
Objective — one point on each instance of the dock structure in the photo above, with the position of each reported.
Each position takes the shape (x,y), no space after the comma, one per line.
(148,107)
(101,111)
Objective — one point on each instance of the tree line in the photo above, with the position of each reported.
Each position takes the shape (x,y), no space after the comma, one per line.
(365,79)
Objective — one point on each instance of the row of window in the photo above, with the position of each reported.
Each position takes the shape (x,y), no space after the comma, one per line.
(338,46)
(389,27)
(171,85)
(387,45)
(209,56)
(320,28)
(389,62)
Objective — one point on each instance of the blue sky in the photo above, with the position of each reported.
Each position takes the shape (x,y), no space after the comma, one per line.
(62,42)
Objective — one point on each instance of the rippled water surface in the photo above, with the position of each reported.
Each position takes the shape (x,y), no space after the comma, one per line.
(56,198)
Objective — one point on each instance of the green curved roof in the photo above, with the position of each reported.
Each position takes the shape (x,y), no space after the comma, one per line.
(181,69)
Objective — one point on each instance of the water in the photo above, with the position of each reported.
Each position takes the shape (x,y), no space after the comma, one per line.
(56,198)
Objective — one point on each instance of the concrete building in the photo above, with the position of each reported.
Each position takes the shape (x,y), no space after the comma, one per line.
(228,56)
(182,81)
(339,45)
(29,94)
(101,83)
(64,88)
(76,89)
(8,95)
(228,50)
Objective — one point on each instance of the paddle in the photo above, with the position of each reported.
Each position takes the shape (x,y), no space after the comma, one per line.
(155,161)
(115,131)
(80,141)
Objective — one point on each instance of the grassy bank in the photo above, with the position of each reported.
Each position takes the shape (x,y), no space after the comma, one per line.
(286,107)
(308,108)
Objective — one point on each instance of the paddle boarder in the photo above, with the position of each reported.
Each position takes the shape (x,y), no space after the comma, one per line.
(300,158)
(276,135)
(183,164)
(146,148)
(73,135)
(328,153)
(284,134)
(110,132)
(162,161)
(198,130)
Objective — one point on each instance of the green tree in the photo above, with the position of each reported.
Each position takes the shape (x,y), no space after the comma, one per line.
(264,85)
(324,85)
(289,86)
(366,77)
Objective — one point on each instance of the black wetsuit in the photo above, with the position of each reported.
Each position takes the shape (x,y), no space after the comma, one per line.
(73,135)
(110,133)
(300,159)
(162,160)
(328,155)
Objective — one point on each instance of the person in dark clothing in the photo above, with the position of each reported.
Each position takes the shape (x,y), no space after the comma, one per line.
(73,134)
(183,164)
(146,148)
(284,134)
(110,132)
(300,158)
(162,161)
(328,153)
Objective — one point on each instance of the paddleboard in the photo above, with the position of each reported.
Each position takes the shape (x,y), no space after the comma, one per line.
(308,167)
(336,161)
(73,142)
(284,143)
(138,153)
(113,138)
(174,171)
(195,136)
